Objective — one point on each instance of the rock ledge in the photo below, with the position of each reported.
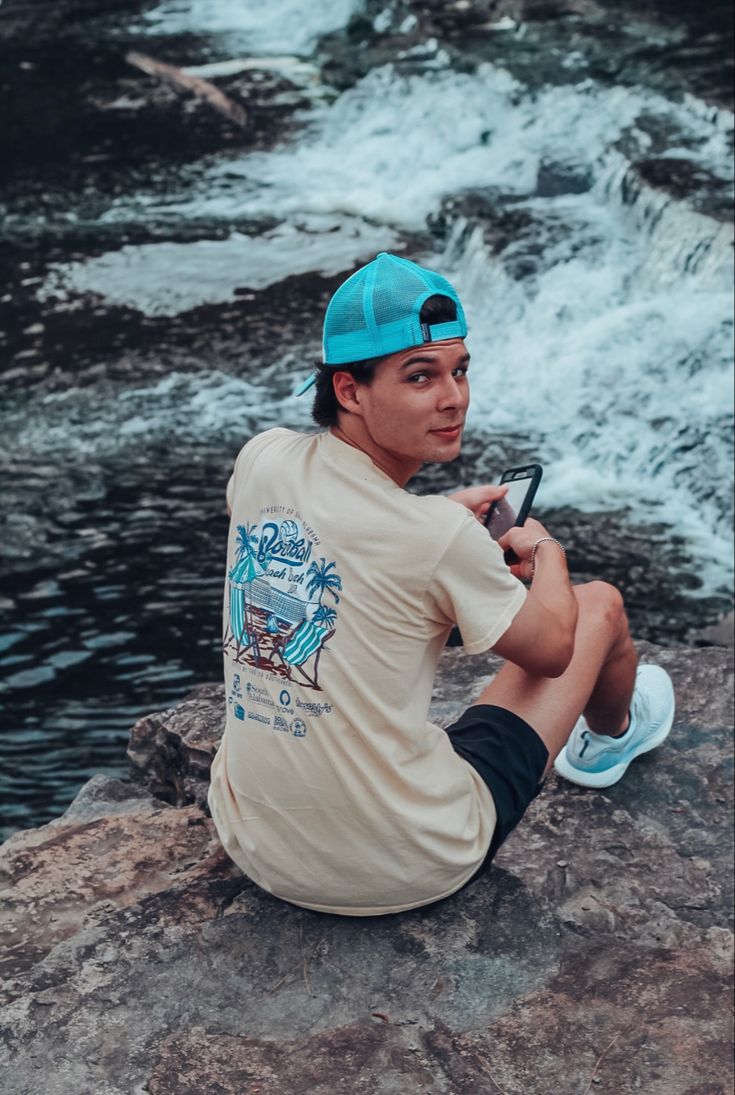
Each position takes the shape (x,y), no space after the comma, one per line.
(596,955)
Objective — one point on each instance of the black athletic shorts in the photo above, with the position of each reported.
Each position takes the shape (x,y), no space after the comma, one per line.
(509,756)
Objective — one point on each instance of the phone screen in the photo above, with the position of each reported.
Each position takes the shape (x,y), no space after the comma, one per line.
(504,514)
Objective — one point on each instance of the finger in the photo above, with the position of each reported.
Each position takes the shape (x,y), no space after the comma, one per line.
(506,540)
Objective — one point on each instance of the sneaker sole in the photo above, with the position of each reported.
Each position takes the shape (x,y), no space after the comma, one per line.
(617,771)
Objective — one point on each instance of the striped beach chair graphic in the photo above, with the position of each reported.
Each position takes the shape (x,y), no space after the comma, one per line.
(304,642)
(238,625)
(308,639)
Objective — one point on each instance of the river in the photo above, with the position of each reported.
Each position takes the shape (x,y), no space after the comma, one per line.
(569,167)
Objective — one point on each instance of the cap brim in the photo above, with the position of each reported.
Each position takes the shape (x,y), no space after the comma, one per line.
(306,384)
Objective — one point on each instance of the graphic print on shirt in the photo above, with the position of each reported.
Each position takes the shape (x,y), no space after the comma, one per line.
(278,619)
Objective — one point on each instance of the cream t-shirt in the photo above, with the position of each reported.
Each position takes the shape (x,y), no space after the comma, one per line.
(330,788)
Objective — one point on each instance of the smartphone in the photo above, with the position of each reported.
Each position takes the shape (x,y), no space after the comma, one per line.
(515,507)
(511,510)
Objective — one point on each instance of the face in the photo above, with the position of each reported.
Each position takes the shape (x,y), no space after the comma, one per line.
(415,407)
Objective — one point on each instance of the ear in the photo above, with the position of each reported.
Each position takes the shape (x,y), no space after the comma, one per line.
(346,390)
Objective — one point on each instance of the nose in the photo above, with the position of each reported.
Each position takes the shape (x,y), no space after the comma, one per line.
(454,393)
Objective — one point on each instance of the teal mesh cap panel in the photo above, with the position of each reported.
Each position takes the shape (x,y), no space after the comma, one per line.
(377,311)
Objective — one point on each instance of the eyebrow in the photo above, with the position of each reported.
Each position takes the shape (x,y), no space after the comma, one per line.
(420,359)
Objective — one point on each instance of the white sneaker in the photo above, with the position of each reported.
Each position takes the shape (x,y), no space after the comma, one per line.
(597,760)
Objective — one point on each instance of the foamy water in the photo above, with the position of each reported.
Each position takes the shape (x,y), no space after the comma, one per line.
(391,148)
(625,395)
(602,331)
(213,271)
(259,26)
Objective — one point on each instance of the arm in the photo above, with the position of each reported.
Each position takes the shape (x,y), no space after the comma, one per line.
(541,636)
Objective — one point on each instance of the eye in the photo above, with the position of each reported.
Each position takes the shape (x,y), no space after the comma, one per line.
(461,370)
(417,378)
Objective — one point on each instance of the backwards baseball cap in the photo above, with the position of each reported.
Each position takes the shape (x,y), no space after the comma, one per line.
(377,312)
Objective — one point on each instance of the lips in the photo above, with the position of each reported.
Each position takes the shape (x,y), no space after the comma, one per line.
(448,431)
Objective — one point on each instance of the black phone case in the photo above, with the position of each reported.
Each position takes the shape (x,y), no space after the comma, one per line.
(532,472)
(455,635)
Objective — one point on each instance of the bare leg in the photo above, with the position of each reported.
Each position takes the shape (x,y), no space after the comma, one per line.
(598,682)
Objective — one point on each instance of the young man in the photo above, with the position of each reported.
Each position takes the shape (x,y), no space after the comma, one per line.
(330,788)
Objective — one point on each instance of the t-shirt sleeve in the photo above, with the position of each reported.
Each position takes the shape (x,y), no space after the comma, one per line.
(238,472)
(472,587)
(244,460)
(230,490)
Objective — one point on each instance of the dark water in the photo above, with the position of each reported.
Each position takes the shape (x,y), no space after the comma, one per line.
(129,623)
(112,565)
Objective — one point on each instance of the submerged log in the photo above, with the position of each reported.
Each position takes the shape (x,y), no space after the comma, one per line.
(181,81)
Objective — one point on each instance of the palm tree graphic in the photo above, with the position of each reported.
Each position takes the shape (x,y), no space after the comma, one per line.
(246,539)
(320,579)
(326,617)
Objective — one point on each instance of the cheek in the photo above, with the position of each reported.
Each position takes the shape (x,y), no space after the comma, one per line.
(400,412)
(393,406)
(407,412)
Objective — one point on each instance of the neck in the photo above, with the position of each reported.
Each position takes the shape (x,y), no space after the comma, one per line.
(353,432)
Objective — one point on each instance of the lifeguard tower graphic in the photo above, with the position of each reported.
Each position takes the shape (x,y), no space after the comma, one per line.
(276,619)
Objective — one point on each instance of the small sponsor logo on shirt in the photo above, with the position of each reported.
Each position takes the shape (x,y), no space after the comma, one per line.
(257,717)
(315,709)
(258,695)
(284,701)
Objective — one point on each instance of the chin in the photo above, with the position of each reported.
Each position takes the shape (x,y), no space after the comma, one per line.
(444,455)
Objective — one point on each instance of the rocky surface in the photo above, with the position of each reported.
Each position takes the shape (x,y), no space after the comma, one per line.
(721,633)
(596,955)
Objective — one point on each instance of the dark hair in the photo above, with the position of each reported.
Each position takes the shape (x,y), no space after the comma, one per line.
(326,407)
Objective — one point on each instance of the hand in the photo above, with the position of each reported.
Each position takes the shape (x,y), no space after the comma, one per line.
(520,540)
(478,499)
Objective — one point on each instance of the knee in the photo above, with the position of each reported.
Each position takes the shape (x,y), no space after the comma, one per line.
(603,602)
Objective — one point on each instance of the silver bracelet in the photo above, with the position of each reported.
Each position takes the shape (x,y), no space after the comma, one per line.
(543,540)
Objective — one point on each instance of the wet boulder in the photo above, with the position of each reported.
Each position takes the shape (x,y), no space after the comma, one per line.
(171,751)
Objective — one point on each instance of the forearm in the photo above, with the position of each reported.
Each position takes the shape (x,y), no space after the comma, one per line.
(551,586)
(541,637)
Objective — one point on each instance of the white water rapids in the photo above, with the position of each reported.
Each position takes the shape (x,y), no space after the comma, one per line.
(600,326)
